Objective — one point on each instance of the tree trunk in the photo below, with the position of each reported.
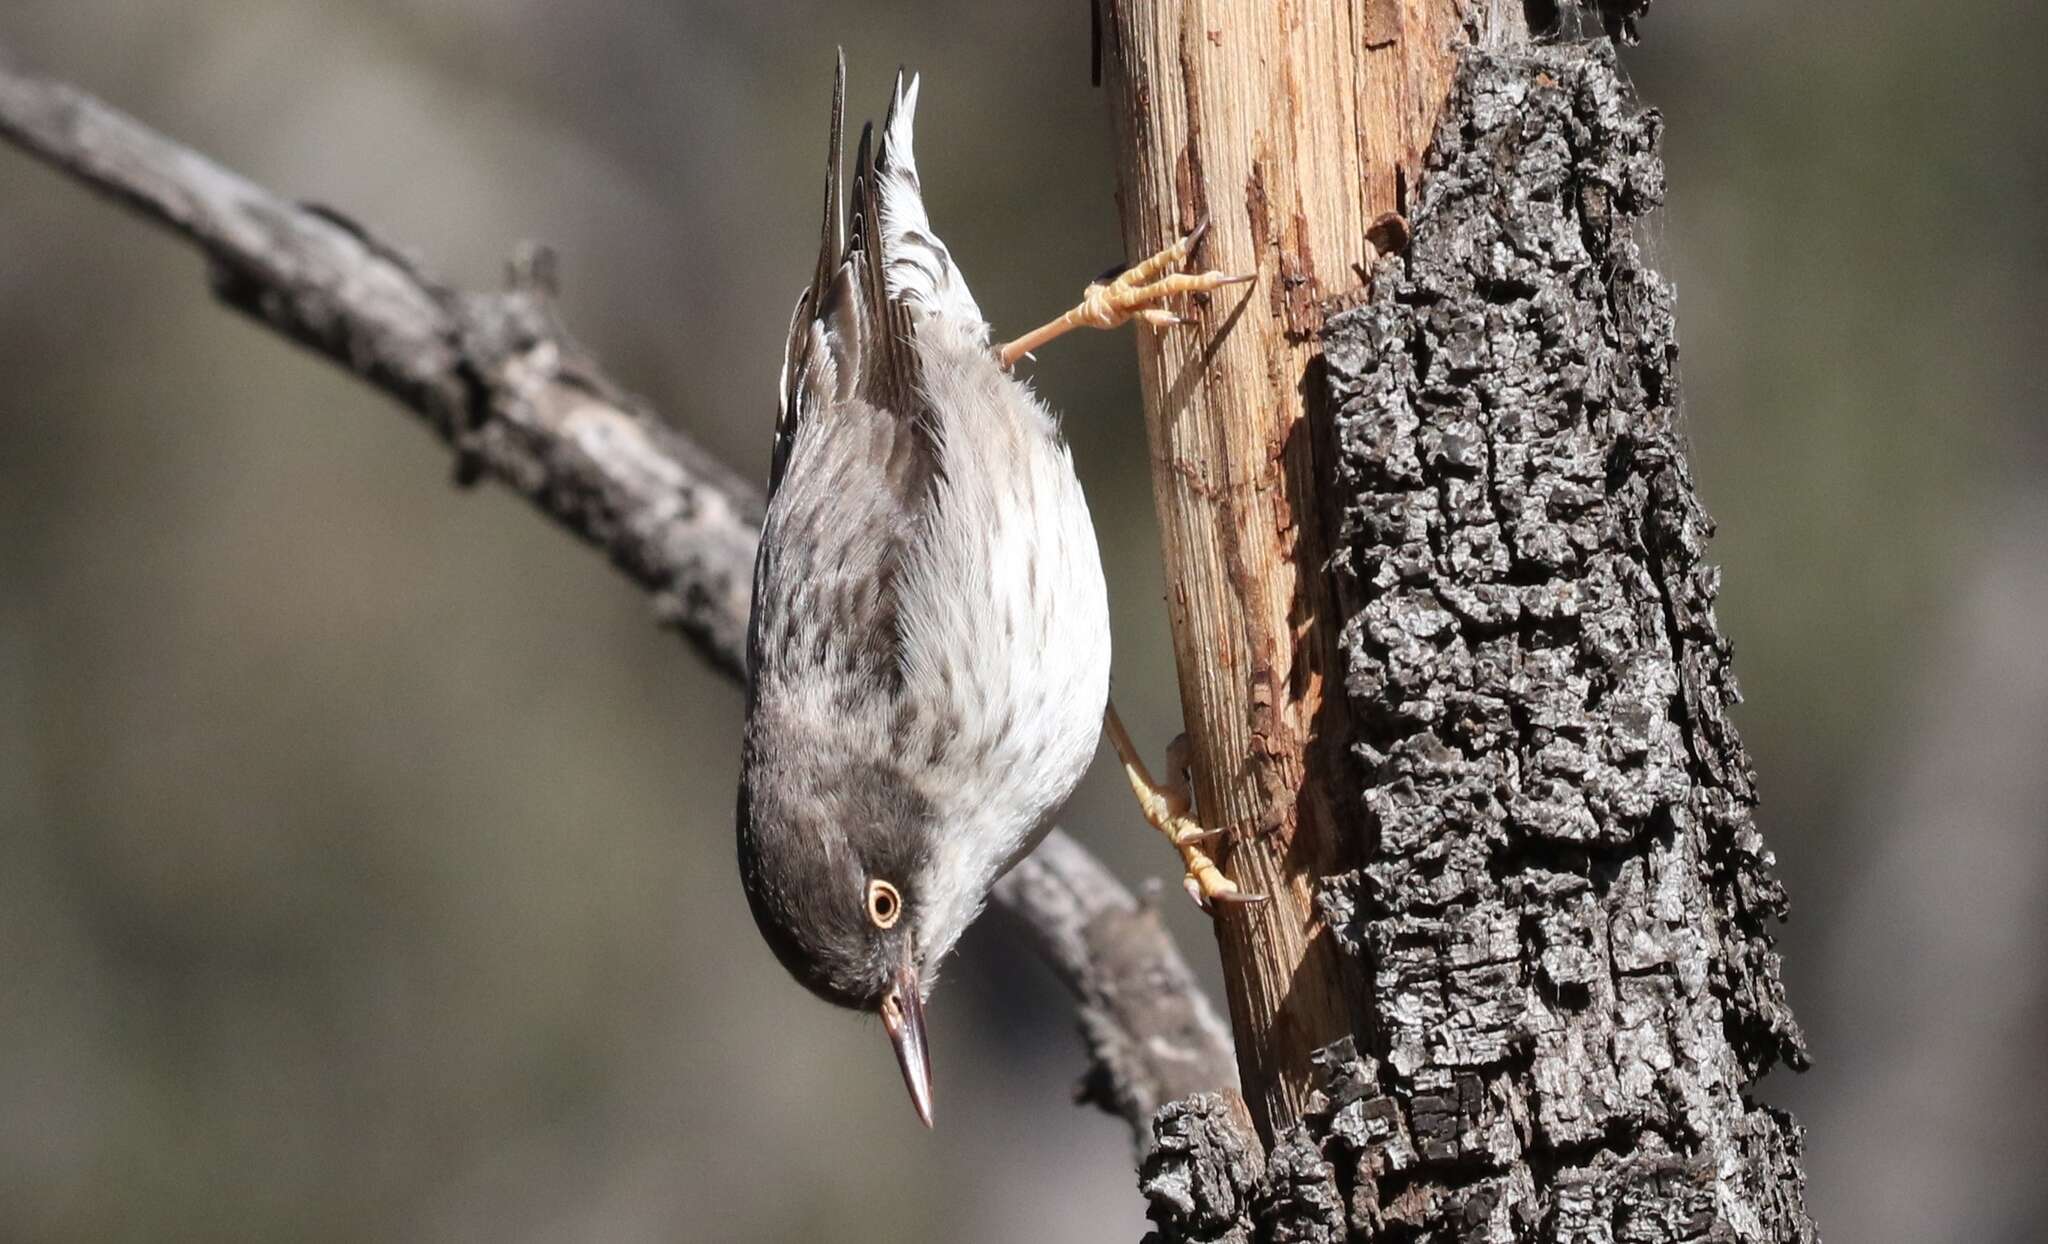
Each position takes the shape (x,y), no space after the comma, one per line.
(1518,976)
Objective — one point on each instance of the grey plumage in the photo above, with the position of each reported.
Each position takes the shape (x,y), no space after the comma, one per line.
(928,652)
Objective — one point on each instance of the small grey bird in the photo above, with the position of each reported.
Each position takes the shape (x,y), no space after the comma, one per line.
(928,656)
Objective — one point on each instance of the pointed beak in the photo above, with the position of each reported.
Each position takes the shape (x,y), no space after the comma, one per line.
(903,1017)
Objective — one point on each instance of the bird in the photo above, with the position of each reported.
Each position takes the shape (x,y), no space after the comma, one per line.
(928,653)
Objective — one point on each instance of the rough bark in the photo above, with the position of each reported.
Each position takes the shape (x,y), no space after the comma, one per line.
(1621,20)
(499,381)
(1566,910)
(1563,908)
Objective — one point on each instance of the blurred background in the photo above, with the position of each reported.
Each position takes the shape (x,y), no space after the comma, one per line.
(365,854)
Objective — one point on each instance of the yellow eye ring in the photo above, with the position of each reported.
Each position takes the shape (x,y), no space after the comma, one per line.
(885,905)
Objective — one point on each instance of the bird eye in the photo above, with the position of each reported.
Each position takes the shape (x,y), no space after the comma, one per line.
(885,905)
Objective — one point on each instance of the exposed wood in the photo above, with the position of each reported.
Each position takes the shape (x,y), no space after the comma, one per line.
(1565,905)
(1291,126)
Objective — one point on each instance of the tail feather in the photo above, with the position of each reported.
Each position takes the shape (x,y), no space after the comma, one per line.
(919,270)
(832,236)
(888,375)
(806,355)
(880,270)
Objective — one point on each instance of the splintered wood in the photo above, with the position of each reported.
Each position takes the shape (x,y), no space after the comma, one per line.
(1292,128)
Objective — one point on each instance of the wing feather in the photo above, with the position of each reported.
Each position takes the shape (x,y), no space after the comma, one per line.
(855,451)
(879,270)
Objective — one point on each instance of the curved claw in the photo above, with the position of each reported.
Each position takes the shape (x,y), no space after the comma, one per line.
(1135,292)
(1209,899)
(1238,898)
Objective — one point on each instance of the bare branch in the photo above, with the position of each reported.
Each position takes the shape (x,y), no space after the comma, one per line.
(492,374)
(1152,1034)
(499,381)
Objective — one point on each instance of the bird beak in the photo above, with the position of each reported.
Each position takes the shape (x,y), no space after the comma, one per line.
(903,1016)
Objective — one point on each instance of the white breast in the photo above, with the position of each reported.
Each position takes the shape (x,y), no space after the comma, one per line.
(1006,622)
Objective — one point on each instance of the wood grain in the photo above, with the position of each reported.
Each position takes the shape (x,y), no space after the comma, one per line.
(1291,126)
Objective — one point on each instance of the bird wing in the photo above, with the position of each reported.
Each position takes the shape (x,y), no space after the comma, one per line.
(881,270)
(802,384)
(856,447)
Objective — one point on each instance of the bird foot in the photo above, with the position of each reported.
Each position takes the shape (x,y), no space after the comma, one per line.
(1136,292)
(1169,807)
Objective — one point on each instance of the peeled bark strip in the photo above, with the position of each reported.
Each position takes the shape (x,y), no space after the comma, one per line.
(1290,128)
(1566,912)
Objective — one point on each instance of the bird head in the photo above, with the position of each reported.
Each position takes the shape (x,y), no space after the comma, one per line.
(838,880)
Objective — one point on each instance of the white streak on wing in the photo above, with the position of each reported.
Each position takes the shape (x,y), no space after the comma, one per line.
(782,380)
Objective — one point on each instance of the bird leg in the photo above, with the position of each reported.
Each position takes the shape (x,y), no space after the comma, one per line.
(1169,807)
(1136,291)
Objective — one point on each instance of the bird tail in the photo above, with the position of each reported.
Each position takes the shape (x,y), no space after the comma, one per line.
(918,268)
(880,270)
(832,236)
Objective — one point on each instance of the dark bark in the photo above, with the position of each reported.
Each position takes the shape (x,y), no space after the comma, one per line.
(1565,917)
(1621,18)
(500,382)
